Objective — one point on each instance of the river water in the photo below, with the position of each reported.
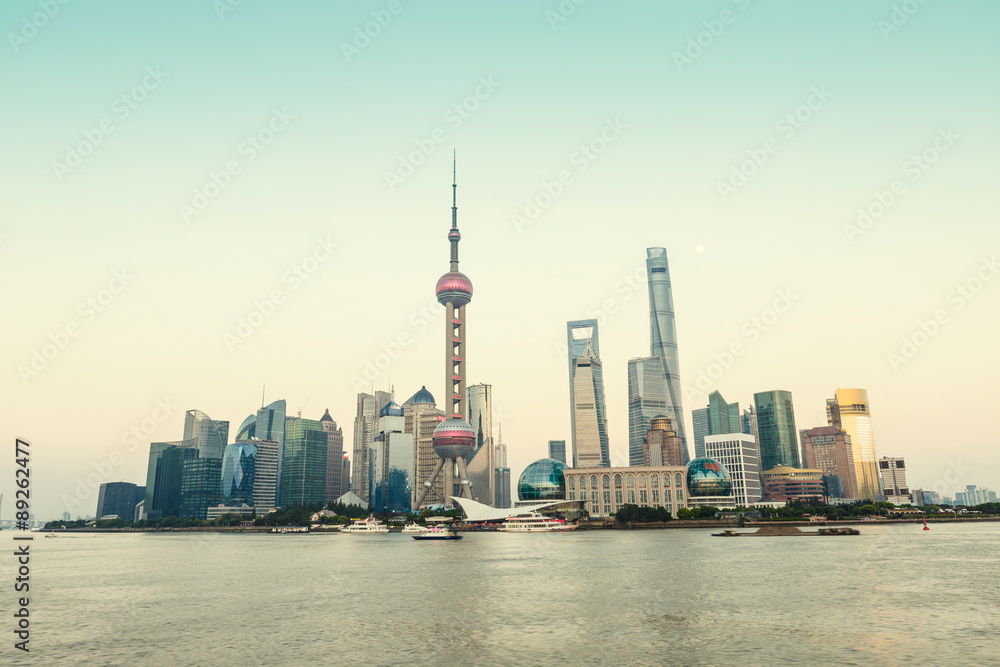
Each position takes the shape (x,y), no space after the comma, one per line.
(893,595)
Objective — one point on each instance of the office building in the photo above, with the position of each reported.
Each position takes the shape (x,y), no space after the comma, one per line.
(971,497)
(661,445)
(717,418)
(369,407)
(421,416)
(784,483)
(849,410)
(334,458)
(345,474)
(501,475)
(481,465)
(211,436)
(647,398)
(776,429)
(239,467)
(588,415)
(265,482)
(663,336)
(605,490)
(118,499)
(557,450)
(200,486)
(303,468)
(829,449)
(748,424)
(391,466)
(738,454)
(163,477)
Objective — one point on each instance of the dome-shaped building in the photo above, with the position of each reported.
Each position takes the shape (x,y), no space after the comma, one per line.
(422,396)
(708,477)
(542,480)
(454,288)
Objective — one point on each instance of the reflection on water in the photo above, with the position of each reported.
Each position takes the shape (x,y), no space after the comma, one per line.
(892,595)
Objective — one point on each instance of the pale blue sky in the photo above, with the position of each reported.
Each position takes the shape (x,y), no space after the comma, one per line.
(656,184)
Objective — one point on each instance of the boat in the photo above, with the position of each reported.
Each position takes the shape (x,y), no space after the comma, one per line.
(412,528)
(438,533)
(368,526)
(533,522)
(51,535)
(788,531)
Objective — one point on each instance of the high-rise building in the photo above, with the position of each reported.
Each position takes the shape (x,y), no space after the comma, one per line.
(588,415)
(391,463)
(265,482)
(647,397)
(369,407)
(748,423)
(210,435)
(849,410)
(776,429)
(501,474)
(828,448)
(334,458)
(738,453)
(662,446)
(481,464)
(894,484)
(239,468)
(557,450)
(972,496)
(345,475)
(663,335)
(163,477)
(200,486)
(421,418)
(268,424)
(454,438)
(718,418)
(118,499)
(303,470)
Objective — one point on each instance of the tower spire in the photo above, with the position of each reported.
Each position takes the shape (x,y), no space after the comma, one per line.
(454,236)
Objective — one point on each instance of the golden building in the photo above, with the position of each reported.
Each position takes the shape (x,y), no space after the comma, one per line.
(849,410)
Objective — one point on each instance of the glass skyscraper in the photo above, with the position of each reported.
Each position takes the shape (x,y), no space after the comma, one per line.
(480,464)
(849,410)
(647,398)
(369,408)
(719,418)
(166,493)
(588,416)
(663,337)
(557,450)
(777,437)
(303,469)
(210,435)
(392,463)
(238,473)
(200,485)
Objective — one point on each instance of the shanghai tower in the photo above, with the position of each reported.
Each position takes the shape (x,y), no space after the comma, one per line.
(663,337)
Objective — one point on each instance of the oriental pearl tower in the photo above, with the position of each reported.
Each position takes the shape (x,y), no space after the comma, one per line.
(454,438)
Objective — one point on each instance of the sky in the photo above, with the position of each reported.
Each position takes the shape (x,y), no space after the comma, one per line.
(210,202)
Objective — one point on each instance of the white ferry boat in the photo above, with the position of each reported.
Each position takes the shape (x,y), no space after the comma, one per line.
(534,522)
(368,526)
(415,528)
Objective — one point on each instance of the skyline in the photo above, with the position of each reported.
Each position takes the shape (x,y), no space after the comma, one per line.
(774,270)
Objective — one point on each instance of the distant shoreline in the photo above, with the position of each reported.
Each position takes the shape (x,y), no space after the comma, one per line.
(590,525)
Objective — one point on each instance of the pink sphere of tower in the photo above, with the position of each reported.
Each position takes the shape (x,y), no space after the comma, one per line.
(454,288)
(454,438)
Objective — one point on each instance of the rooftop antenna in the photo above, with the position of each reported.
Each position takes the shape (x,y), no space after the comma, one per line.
(262,389)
